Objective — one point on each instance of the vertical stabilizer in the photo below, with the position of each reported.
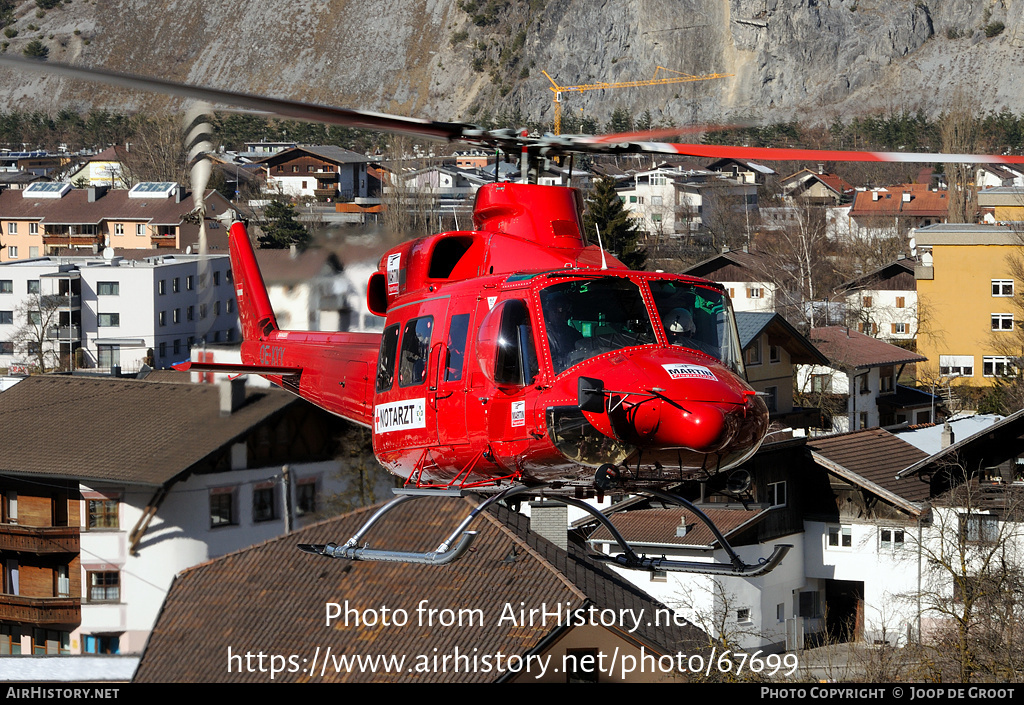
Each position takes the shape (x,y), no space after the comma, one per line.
(254,311)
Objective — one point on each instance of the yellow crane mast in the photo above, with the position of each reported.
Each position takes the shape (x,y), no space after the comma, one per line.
(680,77)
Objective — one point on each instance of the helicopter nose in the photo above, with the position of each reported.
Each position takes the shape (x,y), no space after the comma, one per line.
(701,426)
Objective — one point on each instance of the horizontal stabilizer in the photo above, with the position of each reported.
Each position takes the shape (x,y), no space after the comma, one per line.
(236,368)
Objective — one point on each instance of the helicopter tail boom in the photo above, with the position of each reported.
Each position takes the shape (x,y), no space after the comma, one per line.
(255,314)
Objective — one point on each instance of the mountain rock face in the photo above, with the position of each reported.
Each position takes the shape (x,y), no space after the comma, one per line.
(813,60)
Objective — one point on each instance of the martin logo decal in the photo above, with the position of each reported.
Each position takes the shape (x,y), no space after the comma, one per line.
(689,372)
(400,415)
(394,272)
(518,413)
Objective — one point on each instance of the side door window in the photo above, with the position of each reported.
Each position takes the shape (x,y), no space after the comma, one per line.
(386,359)
(415,356)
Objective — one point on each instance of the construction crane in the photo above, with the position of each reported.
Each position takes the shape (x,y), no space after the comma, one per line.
(680,77)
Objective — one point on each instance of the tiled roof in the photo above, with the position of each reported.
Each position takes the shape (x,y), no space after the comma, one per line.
(272,598)
(848,349)
(658,526)
(996,433)
(75,208)
(118,429)
(327,152)
(871,458)
(749,261)
(871,280)
(923,202)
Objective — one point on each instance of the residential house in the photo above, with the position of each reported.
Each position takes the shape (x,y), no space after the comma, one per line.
(324,172)
(967,291)
(756,507)
(771,347)
(681,201)
(160,477)
(862,374)
(40,599)
(817,188)
(860,538)
(119,312)
(988,176)
(895,210)
(106,168)
(47,217)
(746,172)
(744,274)
(883,303)
(315,290)
(440,625)
(1002,204)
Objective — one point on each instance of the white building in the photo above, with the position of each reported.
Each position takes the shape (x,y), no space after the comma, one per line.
(172,475)
(117,310)
(883,303)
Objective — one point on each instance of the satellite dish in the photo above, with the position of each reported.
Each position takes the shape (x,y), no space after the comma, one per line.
(188,250)
(739,481)
(108,253)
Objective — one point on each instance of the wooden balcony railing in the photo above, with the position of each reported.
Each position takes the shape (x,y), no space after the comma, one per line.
(39,539)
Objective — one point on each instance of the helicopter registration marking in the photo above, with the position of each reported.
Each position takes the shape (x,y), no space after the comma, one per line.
(394,272)
(400,415)
(518,413)
(680,371)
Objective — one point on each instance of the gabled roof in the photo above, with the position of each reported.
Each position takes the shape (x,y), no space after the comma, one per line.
(327,152)
(276,596)
(742,262)
(657,527)
(902,270)
(75,207)
(121,430)
(848,349)
(993,436)
(870,458)
(832,182)
(923,202)
(749,166)
(752,324)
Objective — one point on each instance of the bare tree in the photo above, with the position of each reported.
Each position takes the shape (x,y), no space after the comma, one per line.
(156,152)
(409,203)
(40,316)
(971,608)
(959,131)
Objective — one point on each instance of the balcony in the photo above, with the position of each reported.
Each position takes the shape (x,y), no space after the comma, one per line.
(64,333)
(39,539)
(325,192)
(40,610)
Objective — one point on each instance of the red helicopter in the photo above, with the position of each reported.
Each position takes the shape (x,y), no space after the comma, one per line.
(518,358)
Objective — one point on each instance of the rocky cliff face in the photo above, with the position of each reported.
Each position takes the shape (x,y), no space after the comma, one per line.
(807,59)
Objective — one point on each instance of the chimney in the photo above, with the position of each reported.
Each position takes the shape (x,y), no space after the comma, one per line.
(874,195)
(947,435)
(907,196)
(821,168)
(551,521)
(682,529)
(95,193)
(179,193)
(232,395)
(293,251)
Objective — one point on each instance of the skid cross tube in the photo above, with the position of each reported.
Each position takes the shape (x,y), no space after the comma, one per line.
(629,558)
(444,553)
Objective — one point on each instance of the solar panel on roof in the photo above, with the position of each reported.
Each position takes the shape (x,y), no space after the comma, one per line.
(153,189)
(46,189)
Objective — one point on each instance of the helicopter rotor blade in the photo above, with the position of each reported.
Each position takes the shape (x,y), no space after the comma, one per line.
(278,106)
(714,151)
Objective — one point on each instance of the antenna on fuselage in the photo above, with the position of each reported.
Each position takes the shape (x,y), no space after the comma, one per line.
(604,262)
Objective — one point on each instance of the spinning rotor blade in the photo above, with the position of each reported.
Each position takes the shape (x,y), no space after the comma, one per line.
(507,139)
(714,151)
(278,106)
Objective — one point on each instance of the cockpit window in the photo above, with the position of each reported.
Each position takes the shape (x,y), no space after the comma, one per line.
(584,319)
(386,359)
(698,318)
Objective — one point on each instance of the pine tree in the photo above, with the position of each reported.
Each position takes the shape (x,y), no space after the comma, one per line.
(619,233)
(281,229)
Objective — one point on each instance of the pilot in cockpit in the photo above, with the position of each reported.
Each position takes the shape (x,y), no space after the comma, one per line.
(562,336)
(679,326)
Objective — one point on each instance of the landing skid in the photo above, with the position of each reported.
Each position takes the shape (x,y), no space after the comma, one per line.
(459,541)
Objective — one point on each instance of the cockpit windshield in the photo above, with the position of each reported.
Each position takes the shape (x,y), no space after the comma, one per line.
(584,319)
(698,318)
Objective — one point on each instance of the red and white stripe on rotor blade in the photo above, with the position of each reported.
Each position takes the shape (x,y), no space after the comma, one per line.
(714,151)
